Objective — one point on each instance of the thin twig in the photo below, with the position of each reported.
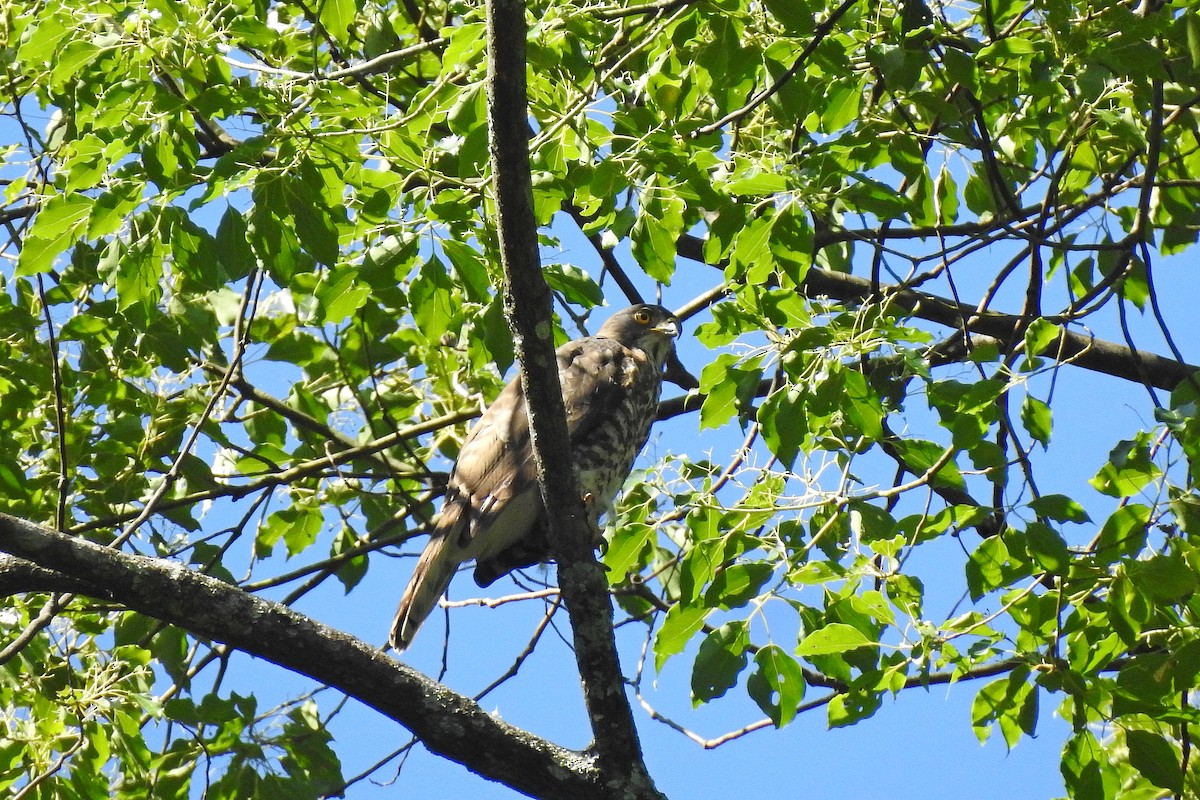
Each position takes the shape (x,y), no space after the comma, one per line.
(819,34)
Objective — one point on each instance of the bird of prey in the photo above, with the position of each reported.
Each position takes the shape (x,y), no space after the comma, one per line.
(492,511)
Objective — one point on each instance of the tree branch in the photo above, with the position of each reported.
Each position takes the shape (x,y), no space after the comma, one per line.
(18,576)
(527,305)
(1098,355)
(448,723)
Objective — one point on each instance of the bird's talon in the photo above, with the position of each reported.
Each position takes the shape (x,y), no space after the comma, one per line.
(597,532)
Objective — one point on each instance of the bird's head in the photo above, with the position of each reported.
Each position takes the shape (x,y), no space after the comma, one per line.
(650,328)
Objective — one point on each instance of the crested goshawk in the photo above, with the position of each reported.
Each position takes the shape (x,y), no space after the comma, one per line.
(493,511)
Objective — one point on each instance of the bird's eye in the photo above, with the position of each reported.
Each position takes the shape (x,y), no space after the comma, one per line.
(641,317)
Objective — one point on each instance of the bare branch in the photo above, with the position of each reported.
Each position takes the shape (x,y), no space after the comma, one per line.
(1098,355)
(447,723)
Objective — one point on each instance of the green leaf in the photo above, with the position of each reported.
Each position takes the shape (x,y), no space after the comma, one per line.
(1124,532)
(798,17)
(752,256)
(1059,507)
(71,60)
(755,182)
(314,225)
(946,191)
(233,250)
(659,224)
(303,525)
(862,406)
(46,40)
(1040,334)
(467,41)
(1192,22)
(987,567)
(497,337)
(1158,761)
(55,229)
(1167,578)
(112,208)
(1011,702)
(678,628)
(431,295)
(874,605)
(841,106)
(307,752)
(341,294)
(1048,548)
(627,544)
(138,277)
(721,658)
(298,526)
(920,456)
(471,269)
(1129,468)
(1035,417)
(851,707)
(737,584)
(1086,770)
(870,522)
(834,638)
(1146,677)
(720,394)
(1008,48)
(351,571)
(776,685)
(729,385)
(336,17)
(783,423)
(170,648)
(574,283)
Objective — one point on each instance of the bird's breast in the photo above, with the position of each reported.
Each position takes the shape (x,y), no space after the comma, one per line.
(604,460)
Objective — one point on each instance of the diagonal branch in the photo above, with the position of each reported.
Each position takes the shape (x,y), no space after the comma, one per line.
(527,304)
(1098,355)
(448,723)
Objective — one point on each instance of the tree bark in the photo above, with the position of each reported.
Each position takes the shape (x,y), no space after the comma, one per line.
(1098,355)
(527,303)
(447,723)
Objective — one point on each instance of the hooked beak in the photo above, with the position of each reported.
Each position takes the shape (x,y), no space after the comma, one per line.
(669,327)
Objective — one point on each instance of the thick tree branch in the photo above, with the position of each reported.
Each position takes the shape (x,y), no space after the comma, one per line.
(527,303)
(447,723)
(1098,355)
(18,576)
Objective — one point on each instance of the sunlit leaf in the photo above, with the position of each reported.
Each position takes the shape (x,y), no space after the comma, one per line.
(720,661)
(55,228)
(836,637)
(776,685)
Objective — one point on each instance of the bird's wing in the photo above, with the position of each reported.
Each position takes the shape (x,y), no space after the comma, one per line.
(495,463)
(491,502)
(593,385)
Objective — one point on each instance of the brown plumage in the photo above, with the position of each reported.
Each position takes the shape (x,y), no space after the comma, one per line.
(493,511)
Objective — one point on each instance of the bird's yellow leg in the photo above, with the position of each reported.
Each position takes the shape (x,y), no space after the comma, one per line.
(592,514)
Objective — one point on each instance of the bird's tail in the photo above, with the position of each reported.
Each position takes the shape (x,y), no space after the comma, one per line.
(432,575)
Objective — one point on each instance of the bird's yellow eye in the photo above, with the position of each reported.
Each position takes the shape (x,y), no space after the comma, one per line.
(641,317)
